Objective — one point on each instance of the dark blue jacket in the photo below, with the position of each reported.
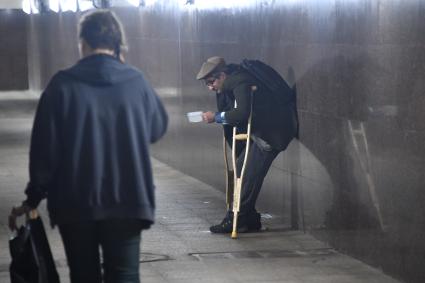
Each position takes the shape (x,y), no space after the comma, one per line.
(90,143)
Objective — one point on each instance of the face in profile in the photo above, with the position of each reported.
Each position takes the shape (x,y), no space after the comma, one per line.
(215,82)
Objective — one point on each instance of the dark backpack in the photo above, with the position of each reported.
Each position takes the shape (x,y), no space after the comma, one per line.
(271,79)
(281,94)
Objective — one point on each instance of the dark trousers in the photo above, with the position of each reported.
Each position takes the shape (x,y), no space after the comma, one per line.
(119,241)
(258,164)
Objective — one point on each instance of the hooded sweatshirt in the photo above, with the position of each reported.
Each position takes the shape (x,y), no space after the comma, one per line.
(89,151)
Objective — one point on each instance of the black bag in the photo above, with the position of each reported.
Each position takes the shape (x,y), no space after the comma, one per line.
(281,92)
(282,103)
(32,260)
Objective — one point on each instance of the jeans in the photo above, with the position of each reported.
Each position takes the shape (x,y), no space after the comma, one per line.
(119,240)
(257,166)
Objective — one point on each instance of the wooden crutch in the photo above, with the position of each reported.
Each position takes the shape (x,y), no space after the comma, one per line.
(237,181)
(229,177)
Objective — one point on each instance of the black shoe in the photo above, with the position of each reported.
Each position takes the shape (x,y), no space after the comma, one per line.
(245,224)
(253,222)
(225,227)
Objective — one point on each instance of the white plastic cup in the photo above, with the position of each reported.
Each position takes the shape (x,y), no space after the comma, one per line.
(194,117)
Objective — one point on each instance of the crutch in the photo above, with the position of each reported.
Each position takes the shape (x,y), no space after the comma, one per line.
(229,177)
(237,181)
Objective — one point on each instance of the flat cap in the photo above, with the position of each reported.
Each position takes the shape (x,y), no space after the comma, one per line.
(211,65)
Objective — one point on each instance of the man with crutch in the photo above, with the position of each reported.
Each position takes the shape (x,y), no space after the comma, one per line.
(273,127)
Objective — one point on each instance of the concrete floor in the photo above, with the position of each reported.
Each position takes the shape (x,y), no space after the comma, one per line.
(179,247)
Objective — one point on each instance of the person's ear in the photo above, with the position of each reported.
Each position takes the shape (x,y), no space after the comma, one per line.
(85,48)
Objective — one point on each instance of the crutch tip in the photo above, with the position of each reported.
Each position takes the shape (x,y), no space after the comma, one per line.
(234,235)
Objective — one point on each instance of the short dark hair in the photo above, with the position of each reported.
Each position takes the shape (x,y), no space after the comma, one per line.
(102,29)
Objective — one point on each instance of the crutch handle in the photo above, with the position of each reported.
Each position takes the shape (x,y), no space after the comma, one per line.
(241,137)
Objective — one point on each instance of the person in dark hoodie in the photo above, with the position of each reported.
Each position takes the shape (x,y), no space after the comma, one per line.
(89,156)
(274,125)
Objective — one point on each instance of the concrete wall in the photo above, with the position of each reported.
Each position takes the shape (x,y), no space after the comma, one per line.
(358,66)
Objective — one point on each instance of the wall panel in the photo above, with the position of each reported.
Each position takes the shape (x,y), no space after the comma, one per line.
(13,50)
(358,67)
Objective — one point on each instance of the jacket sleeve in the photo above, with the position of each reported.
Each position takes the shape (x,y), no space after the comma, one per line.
(241,113)
(159,117)
(44,148)
(224,101)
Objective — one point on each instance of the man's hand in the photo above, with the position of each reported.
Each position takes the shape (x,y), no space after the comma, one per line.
(15,213)
(208,117)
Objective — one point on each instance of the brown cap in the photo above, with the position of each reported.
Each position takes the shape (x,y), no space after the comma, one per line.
(212,64)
